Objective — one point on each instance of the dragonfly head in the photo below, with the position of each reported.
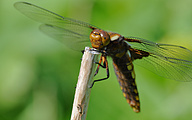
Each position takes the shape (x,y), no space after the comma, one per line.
(99,39)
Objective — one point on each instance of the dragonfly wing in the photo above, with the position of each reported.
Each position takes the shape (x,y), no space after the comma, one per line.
(42,15)
(170,61)
(55,22)
(71,39)
(171,68)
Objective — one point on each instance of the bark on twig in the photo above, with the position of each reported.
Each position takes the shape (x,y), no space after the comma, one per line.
(85,79)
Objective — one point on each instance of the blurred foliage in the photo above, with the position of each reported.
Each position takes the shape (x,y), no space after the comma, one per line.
(38,75)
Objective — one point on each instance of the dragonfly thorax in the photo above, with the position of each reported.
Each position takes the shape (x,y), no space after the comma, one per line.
(117,47)
(99,39)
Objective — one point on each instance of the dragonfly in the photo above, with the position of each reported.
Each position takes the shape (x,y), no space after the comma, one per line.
(170,61)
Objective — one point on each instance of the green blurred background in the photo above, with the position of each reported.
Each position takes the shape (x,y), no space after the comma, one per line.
(38,75)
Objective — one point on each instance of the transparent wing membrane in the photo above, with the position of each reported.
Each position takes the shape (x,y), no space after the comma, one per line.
(72,39)
(69,30)
(170,61)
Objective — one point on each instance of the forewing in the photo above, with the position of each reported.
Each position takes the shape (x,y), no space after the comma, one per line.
(59,23)
(170,61)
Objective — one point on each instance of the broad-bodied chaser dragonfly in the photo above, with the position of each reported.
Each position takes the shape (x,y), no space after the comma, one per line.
(170,61)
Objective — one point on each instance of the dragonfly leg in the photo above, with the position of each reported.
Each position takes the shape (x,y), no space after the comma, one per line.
(82,51)
(99,64)
(106,66)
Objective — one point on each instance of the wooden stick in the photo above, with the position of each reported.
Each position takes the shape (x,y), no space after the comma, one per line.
(85,80)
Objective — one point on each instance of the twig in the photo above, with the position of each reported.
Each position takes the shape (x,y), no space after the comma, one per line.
(83,90)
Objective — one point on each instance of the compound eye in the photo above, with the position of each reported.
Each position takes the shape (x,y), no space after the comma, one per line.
(105,38)
(99,38)
(96,40)
(95,36)
(96,33)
